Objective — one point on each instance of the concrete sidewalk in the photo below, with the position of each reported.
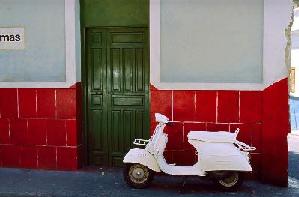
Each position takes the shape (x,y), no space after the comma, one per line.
(109,182)
(16,182)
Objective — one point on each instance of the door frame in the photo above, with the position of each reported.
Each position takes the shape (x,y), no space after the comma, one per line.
(84,84)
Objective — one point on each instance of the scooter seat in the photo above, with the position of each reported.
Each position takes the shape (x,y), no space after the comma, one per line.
(209,136)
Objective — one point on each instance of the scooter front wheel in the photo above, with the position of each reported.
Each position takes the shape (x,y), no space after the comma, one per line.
(228,180)
(137,175)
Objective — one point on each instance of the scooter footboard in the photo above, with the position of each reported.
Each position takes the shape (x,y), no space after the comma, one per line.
(138,155)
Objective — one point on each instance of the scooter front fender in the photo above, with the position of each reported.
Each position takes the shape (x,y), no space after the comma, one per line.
(138,155)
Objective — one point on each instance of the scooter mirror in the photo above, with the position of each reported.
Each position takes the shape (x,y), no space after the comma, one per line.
(161,118)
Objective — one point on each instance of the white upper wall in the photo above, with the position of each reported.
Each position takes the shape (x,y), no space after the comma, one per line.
(277,18)
(52,53)
(295,51)
(262,66)
(295,26)
(211,41)
(78,41)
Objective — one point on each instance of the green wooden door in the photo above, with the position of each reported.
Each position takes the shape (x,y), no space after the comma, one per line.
(118,92)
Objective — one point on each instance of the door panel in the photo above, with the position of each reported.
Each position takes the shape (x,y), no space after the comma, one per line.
(116,67)
(97,69)
(126,48)
(117,136)
(118,91)
(97,139)
(96,80)
(140,83)
(129,61)
(128,101)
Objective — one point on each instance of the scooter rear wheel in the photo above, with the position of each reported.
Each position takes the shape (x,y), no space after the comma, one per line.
(138,176)
(228,180)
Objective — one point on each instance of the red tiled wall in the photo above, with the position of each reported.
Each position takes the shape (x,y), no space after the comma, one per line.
(226,110)
(276,126)
(40,128)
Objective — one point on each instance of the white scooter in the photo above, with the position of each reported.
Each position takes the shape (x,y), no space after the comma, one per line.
(220,156)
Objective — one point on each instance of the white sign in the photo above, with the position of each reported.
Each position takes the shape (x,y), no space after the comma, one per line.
(12,38)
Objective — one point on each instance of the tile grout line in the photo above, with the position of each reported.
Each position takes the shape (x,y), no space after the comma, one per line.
(183,132)
(18,103)
(55,102)
(239,106)
(9,130)
(37,157)
(217,94)
(27,126)
(195,101)
(36,102)
(172,105)
(65,133)
(56,157)
(220,123)
(46,122)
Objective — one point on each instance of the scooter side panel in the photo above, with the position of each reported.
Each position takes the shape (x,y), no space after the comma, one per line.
(137,155)
(232,162)
(221,156)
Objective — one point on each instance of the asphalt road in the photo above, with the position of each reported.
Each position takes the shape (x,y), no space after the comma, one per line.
(109,182)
